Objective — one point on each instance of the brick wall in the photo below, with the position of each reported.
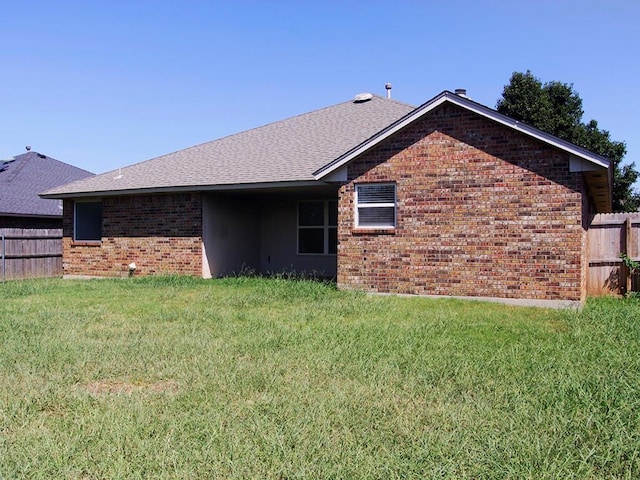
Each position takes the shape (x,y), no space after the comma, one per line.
(482,211)
(162,234)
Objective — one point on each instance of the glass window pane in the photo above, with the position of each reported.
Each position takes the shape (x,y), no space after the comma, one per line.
(311,214)
(333,213)
(377,217)
(311,240)
(377,193)
(333,240)
(88,224)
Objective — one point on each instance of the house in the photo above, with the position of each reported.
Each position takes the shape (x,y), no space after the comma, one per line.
(449,198)
(22,178)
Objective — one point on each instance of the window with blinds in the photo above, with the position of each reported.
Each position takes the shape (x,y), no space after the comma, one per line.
(376,205)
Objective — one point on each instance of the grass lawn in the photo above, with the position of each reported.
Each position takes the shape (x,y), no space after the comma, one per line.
(285,379)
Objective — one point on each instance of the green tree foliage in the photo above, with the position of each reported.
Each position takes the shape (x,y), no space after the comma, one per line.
(555,108)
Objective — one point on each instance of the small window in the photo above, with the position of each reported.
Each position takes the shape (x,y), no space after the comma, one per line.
(376,205)
(318,227)
(88,221)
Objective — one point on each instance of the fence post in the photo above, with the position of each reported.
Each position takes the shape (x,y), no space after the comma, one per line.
(628,244)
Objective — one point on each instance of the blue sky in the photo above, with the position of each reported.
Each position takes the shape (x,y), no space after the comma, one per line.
(103,84)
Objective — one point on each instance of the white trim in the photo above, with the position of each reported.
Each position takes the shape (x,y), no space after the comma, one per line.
(472,106)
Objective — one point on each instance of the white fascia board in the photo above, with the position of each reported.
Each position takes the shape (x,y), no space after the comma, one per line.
(470,105)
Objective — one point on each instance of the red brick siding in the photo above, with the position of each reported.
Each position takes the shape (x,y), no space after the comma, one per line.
(161,233)
(482,211)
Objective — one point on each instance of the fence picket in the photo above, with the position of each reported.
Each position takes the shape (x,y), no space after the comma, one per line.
(30,253)
(609,235)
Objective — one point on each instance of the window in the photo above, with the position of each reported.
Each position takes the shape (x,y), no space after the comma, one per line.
(88,221)
(318,227)
(376,205)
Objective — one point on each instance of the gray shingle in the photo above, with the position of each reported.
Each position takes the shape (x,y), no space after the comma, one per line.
(22,179)
(286,151)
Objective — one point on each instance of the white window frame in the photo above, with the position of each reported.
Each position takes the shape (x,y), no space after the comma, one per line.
(358,205)
(325,227)
(75,221)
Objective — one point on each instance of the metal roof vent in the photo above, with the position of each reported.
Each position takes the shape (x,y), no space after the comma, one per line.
(362,97)
(388,87)
(461,92)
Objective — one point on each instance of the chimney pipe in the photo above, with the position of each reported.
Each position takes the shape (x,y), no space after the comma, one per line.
(387,86)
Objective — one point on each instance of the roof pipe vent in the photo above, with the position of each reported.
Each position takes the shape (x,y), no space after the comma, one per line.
(388,87)
(461,92)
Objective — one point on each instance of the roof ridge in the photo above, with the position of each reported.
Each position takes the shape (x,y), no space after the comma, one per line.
(19,165)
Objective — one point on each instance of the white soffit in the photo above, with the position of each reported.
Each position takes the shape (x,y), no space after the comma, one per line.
(337,175)
(577,164)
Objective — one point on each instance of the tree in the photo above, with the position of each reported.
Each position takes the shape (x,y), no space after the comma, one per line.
(556,108)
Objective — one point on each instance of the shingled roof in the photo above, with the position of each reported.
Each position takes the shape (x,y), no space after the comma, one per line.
(305,150)
(281,153)
(24,176)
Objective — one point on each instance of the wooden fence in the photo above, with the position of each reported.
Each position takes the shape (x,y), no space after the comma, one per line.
(30,253)
(609,235)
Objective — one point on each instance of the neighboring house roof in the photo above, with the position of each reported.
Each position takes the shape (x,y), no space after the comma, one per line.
(309,148)
(284,152)
(24,176)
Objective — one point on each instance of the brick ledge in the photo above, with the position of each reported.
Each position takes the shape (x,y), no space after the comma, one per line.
(373,231)
(86,243)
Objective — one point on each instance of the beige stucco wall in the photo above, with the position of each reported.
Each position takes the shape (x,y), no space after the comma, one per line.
(247,234)
(279,247)
(230,236)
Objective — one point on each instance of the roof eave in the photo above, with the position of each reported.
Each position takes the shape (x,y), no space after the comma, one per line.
(184,189)
(32,215)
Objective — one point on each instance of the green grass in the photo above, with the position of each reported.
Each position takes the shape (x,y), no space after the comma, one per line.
(285,379)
